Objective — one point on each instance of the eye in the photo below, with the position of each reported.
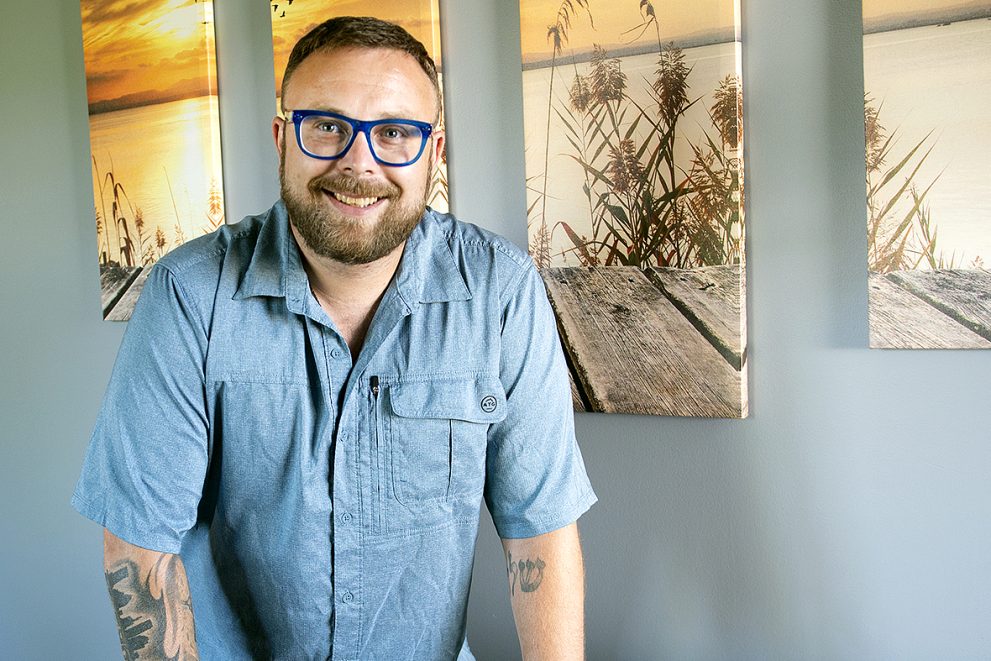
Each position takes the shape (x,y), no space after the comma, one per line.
(396,132)
(330,126)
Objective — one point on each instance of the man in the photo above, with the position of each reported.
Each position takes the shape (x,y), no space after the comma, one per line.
(309,406)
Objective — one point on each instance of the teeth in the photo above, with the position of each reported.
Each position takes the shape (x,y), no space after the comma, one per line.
(359,202)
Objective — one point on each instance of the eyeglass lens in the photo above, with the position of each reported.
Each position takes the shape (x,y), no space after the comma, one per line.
(395,142)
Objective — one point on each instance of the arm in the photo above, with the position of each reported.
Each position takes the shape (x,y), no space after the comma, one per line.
(547,590)
(150,596)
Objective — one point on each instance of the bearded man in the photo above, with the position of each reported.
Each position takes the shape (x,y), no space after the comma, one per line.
(309,406)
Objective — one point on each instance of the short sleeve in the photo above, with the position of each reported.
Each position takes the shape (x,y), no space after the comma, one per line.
(144,470)
(535,476)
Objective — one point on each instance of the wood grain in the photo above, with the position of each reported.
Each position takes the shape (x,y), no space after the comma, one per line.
(114,281)
(963,294)
(902,320)
(121,311)
(710,298)
(633,352)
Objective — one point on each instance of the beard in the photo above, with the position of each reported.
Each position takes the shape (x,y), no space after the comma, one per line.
(332,234)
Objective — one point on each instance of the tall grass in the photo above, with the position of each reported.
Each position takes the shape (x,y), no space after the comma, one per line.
(121,229)
(646,210)
(557,34)
(120,208)
(439,190)
(900,232)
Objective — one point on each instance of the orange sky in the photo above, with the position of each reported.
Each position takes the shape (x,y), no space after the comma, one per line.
(146,51)
(290,22)
(677,20)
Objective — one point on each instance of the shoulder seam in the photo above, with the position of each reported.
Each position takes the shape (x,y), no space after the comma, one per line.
(176,268)
(515,255)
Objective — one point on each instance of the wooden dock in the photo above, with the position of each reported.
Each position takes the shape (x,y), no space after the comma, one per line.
(941,309)
(657,341)
(120,287)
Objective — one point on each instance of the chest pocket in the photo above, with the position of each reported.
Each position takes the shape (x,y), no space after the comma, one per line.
(437,434)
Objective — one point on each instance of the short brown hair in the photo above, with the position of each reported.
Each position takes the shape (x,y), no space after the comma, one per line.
(360,32)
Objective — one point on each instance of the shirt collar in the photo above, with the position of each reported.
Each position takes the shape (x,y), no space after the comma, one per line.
(427,273)
(276,267)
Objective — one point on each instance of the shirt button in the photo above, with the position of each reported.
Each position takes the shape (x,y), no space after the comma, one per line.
(346,517)
(347,598)
(336,353)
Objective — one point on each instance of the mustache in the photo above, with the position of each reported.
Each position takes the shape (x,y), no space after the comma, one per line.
(353,187)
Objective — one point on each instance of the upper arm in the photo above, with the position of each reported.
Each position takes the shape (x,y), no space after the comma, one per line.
(562,540)
(145,466)
(117,551)
(536,480)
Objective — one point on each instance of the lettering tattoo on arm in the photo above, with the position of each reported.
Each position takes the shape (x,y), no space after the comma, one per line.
(527,573)
(154,612)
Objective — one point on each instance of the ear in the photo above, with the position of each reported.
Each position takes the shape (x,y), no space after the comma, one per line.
(279,127)
(440,141)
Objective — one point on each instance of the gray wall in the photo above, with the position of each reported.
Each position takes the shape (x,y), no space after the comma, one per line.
(848,518)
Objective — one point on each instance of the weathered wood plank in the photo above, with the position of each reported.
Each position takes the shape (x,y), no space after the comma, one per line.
(710,297)
(122,310)
(576,395)
(633,352)
(114,281)
(901,320)
(963,294)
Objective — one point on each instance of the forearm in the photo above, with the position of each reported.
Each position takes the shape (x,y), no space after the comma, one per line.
(150,596)
(547,591)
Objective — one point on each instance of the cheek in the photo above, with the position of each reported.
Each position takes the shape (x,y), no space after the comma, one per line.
(299,172)
(417,180)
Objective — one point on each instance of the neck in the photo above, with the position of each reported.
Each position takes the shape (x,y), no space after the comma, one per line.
(349,293)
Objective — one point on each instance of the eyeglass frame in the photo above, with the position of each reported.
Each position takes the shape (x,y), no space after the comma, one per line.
(296,118)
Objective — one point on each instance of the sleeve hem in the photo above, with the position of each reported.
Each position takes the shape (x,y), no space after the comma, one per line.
(519,528)
(151,541)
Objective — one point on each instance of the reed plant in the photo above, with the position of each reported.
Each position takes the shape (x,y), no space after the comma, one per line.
(900,232)
(120,208)
(135,246)
(645,210)
(557,34)
(439,190)
(214,210)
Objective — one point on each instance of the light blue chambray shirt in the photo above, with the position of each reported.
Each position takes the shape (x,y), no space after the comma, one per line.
(325,508)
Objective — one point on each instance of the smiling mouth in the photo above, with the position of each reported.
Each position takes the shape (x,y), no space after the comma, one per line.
(360,202)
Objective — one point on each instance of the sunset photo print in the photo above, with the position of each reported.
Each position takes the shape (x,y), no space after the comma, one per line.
(154,135)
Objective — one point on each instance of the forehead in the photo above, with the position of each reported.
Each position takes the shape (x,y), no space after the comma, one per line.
(368,82)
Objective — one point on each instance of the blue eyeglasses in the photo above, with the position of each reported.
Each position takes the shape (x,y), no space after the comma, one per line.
(328,136)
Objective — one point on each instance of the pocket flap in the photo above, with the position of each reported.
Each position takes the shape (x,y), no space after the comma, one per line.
(479,399)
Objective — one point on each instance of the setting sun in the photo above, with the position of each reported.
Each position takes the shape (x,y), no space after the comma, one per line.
(138,53)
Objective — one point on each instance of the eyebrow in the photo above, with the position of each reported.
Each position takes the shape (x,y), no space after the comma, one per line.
(400,114)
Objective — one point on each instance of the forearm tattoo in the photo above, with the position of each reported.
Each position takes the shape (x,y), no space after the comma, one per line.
(528,574)
(154,613)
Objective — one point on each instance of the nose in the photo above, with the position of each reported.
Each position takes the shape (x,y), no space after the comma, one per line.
(358,157)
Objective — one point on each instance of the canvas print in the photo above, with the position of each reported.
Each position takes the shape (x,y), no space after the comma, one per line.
(927,79)
(635,194)
(154,135)
(291,19)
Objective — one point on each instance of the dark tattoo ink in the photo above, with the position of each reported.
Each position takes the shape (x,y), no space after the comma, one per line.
(132,630)
(154,615)
(527,573)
